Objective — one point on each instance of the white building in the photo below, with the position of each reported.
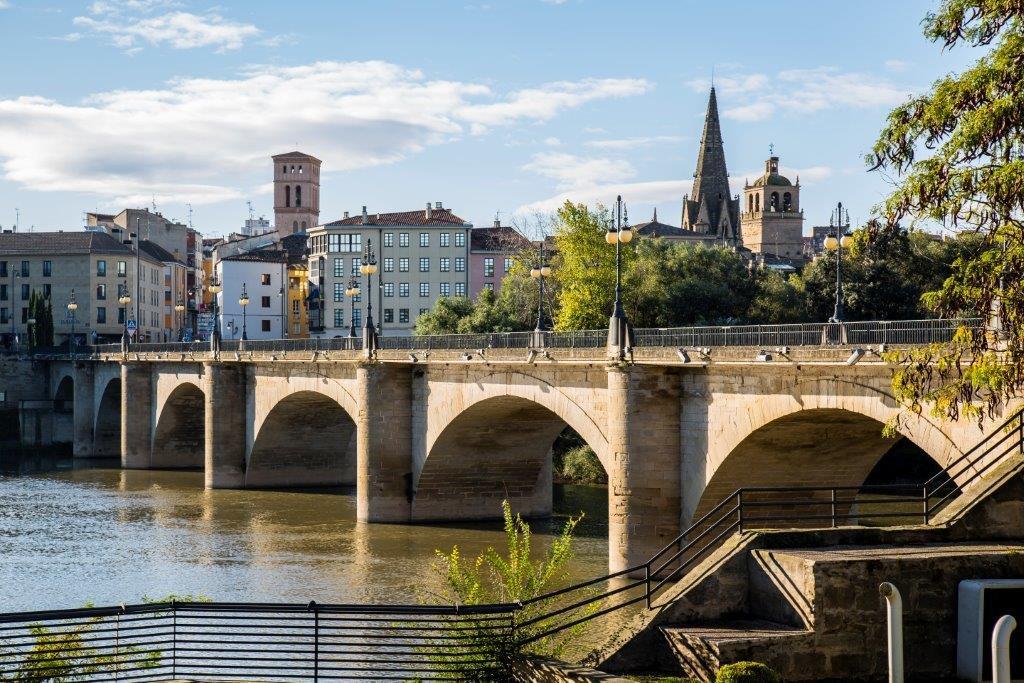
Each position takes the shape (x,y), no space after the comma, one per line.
(263,275)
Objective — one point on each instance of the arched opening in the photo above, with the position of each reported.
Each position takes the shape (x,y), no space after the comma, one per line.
(750,203)
(107,433)
(774,206)
(287,195)
(298,195)
(787,202)
(822,447)
(63,426)
(497,449)
(178,442)
(757,202)
(307,439)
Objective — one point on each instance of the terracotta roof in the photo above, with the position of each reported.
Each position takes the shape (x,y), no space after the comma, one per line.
(501,238)
(157,252)
(294,246)
(658,229)
(260,255)
(295,155)
(438,217)
(78,242)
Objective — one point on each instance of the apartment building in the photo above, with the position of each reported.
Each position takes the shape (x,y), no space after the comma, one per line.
(96,267)
(492,252)
(261,275)
(421,256)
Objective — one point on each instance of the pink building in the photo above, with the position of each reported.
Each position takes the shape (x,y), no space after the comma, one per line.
(490,256)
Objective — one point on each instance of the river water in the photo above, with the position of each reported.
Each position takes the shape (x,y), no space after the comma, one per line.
(107,536)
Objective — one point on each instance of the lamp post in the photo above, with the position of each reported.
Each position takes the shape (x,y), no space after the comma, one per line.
(368,266)
(72,307)
(352,292)
(243,301)
(179,308)
(124,300)
(539,272)
(620,332)
(837,244)
(215,288)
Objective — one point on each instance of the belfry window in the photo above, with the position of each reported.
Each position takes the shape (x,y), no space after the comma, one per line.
(287,195)
(787,202)
(298,195)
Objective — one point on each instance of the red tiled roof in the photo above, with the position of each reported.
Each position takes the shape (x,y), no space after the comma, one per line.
(438,217)
(501,238)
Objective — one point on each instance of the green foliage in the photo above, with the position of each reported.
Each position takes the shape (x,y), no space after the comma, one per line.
(459,315)
(747,672)
(512,576)
(970,177)
(40,309)
(585,267)
(580,465)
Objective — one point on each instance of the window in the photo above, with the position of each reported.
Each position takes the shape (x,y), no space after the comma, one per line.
(424,239)
(389,289)
(424,289)
(339,317)
(403,264)
(265,302)
(24,292)
(774,206)
(460,264)
(122,268)
(47,291)
(265,279)
(424,264)
(403,315)
(424,311)
(24,316)
(101,292)
(296,329)
(787,204)
(3,268)
(357,315)
(445,289)
(389,315)
(446,264)
(265,325)
(3,316)
(295,226)
(445,238)
(287,195)
(389,239)
(403,239)
(460,289)
(303,226)
(489,286)
(489,267)
(298,195)
(295,308)
(47,268)
(750,203)
(339,291)
(389,265)
(355,265)
(403,289)
(339,267)
(508,265)
(101,315)
(460,239)
(757,202)
(3,292)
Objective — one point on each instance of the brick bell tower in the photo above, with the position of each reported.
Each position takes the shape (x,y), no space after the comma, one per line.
(296,192)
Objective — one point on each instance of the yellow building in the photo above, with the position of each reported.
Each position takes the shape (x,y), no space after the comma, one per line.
(298,289)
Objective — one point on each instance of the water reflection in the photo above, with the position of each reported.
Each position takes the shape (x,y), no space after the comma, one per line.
(109,536)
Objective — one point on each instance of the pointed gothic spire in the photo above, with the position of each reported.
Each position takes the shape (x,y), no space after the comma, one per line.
(711,180)
(655,218)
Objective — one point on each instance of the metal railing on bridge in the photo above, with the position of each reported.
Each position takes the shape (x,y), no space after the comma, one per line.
(866,333)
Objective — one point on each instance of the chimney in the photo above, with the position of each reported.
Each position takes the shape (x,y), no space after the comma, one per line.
(364,214)
(345,215)
(427,214)
(437,205)
(497,223)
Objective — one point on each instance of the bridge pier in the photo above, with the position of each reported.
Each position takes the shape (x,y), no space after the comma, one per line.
(224,390)
(384,443)
(85,386)
(136,415)
(643,453)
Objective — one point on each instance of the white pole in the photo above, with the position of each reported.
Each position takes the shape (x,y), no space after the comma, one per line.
(894,605)
(1001,648)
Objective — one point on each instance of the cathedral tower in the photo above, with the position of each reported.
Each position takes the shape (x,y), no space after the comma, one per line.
(772,220)
(296,192)
(712,209)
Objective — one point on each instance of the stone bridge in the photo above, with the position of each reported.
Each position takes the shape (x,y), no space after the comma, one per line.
(447,435)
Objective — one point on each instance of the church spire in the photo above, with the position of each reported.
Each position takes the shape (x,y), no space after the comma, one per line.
(711,180)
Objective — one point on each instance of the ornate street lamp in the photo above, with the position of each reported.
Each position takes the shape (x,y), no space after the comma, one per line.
(539,273)
(179,308)
(215,288)
(124,299)
(620,332)
(352,292)
(837,244)
(243,301)
(368,266)
(72,307)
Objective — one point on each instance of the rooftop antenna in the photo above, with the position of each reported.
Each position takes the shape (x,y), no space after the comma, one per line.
(17,218)
(189,205)
(154,203)
(712,75)
(251,212)
(771,149)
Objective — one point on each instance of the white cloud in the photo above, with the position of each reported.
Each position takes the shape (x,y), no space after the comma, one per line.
(633,143)
(4,4)
(552,142)
(755,97)
(647,192)
(195,139)
(180,30)
(897,65)
(808,175)
(570,171)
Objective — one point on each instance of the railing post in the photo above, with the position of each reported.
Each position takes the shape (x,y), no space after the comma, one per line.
(174,640)
(924,503)
(647,583)
(834,518)
(739,509)
(316,640)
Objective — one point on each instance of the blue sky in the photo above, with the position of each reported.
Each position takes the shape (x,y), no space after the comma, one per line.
(485,105)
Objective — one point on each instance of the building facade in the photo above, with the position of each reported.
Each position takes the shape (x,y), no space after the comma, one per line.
(261,275)
(421,256)
(772,221)
(97,267)
(296,192)
(492,252)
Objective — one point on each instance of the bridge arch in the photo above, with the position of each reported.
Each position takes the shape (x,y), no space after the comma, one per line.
(828,433)
(107,425)
(180,433)
(306,439)
(495,444)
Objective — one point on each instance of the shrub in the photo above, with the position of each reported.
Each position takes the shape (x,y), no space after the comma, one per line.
(581,466)
(747,672)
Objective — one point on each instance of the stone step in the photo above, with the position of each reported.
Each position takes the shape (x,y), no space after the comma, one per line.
(700,649)
(781,588)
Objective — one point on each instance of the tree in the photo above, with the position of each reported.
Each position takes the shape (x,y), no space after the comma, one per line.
(585,268)
(445,316)
(459,315)
(779,299)
(959,154)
